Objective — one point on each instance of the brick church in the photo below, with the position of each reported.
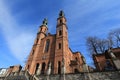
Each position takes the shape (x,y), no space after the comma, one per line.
(52,50)
(51,54)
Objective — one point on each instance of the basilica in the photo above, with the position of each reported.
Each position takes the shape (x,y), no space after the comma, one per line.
(52,50)
(51,58)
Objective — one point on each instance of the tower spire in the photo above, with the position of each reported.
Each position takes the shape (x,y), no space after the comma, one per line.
(45,22)
(61,14)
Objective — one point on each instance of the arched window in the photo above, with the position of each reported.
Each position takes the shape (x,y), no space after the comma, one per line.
(60,21)
(47,45)
(76,71)
(109,65)
(37,67)
(59,67)
(60,33)
(59,46)
(76,59)
(43,68)
(28,67)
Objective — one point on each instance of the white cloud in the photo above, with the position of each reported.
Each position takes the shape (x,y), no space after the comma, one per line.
(18,39)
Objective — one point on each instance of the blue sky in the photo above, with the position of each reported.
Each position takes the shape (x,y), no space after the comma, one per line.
(20,20)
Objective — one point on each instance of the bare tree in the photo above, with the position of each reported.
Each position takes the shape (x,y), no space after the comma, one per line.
(110,41)
(96,45)
(115,37)
(92,44)
(103,45)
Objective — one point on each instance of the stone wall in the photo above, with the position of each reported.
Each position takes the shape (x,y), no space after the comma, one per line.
(111,75)
(105,75)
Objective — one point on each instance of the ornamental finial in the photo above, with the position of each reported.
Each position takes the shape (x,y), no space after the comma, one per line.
(61,14)
(45,21)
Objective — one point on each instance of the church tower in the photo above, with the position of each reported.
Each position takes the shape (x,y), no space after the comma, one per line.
(61,43)
(31,63)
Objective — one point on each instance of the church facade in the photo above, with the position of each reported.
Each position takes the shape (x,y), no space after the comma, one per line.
(52,52)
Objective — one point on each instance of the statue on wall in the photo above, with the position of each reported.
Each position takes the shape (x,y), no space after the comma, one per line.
(63,66)
(111,54)
(39,70)
(84,61)
(49,69)
(63,62)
